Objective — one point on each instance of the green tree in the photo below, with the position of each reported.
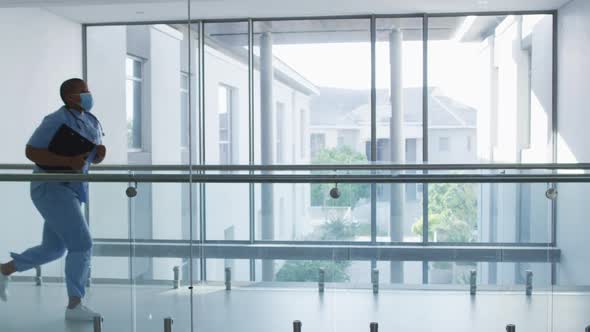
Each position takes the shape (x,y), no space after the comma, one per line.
(335,229)
(350,194)
(335,271)
(452,212)
(304,271)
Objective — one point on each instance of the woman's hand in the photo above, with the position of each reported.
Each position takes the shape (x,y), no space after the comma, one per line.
(101,152)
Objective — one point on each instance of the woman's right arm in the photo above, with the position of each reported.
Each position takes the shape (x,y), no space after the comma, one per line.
(47,158)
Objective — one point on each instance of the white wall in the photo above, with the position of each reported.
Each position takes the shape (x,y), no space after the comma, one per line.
(574,117)
(227,204)
(39,51)
(514,125)
(458,152)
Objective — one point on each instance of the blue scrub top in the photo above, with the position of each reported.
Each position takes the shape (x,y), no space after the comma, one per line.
(84,123)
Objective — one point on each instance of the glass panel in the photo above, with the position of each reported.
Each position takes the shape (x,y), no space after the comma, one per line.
(496,213)
(184,110)
(301,78)
(304,212)
(226,130)
(226,89)
(305,62)
(216,270)
(141,75)
(492,275)
(225,223)
(399,55)
(389,273)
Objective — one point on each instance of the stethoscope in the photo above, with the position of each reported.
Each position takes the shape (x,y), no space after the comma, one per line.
(78,120)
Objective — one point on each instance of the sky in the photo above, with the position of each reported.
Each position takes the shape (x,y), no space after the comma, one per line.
(453,66)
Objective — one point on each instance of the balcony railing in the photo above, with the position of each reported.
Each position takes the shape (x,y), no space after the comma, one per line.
(372,251)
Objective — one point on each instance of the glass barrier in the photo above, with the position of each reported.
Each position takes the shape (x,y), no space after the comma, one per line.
(146,259)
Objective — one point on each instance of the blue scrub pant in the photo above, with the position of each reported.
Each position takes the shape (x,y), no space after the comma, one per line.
(64,228)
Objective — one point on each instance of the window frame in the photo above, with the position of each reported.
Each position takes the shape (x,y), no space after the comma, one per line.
(229,92)
(140,80)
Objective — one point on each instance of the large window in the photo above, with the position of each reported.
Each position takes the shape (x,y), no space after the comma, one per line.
(303,94)
(315,72)
(184,111)
(444,144)
(302,133)
(226,129)
(134,84)
(318,142)
(280,132)
(224,111)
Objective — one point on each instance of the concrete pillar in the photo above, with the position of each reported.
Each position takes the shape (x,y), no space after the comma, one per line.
(266,144)
(396,145)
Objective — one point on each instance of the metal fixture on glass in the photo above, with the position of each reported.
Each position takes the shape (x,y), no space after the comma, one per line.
(297,326)
(321,280)
(131,190)
(375,280)
(529,283)
(374,327)
(168,324)
(510,328)
(335,192)
(176,271)
(38,277)
(473,282)
(551,193)
(97,322)
(228,278)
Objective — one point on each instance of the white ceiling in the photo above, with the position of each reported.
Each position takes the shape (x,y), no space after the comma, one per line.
(89,11)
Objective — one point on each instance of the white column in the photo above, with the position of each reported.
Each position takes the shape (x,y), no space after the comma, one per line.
(266,144)
(396,145)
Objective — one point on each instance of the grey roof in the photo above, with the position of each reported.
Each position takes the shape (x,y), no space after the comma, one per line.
(343,107)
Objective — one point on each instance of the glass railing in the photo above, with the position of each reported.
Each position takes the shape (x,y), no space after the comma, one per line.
(336,247)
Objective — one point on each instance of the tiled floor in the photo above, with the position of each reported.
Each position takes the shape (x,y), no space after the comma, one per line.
(256,309)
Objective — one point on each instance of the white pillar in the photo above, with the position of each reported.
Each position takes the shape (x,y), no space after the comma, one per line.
(266,144)
(396,145)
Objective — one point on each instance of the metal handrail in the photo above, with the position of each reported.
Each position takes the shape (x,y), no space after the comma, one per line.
(298,178)
(327,167)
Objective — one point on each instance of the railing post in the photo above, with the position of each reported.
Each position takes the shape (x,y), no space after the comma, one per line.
(168,324)
(228,278)
(296,326)
(374,327)
(97,322)
(529,282)
(587,328)
(375,280)
(176,283)
(510,328)
(473,282)
(89,279)
(38,277)
(321,280)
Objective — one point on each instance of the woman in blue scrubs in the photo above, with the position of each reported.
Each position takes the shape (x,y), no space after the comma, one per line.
(59,203)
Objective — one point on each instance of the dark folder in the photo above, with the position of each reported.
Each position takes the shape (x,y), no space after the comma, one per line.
(69,143)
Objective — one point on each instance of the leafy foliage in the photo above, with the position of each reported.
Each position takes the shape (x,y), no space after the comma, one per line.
(452,213)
